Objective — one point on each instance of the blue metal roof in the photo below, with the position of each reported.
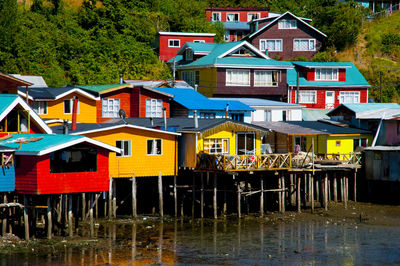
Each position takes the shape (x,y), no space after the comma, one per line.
(353,76)
(194,100)
(6,100)
(259,102)
(363,107)
(236,26)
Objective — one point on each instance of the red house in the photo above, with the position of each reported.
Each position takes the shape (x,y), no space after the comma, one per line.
(286,36)
(169,43)
(326,85)
(235,19)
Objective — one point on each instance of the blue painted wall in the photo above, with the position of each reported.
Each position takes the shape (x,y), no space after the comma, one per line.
(7,178)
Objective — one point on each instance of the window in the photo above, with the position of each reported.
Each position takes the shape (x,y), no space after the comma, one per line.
(287,24)
(237,117)
(271,45)
(74,159)
(125,146)
(246,143)
(40,107)
(307,97)
(268,115)
(216,146)
(216,16)
(189,54)
(197,77)
(251,16)
(284,115)
(237,77)
(154,147)
(338,143)
(302,142)
(154,107)
(349,97)
(326,74)
(174,43)
(359,143)
(265,78)
(110,108)
(68,105)
(227,36)
(188,77)
(304,45)
(199,41)
(232,17)
(207,115)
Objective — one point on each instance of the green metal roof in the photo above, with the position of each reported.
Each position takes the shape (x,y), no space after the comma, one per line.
(363,107)
(309,114)
(100,88)
(6,100)
(201,47)
(353,77)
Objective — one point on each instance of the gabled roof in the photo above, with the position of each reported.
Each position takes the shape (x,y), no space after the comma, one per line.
(37,81)
(260,102)
(273,15)
(9,101)
(364,107)
(14,80)
(194,100)
(104,88)
(219,57)
(41,144)
(52,93)
(283,15)
(353,76)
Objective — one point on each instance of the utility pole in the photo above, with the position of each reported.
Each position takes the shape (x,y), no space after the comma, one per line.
(298,85)
(380,84)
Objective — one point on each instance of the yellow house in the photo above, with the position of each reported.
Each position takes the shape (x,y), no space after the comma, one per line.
(56,104)
(145,151)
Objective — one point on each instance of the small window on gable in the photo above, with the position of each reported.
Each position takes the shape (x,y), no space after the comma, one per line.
(15,121)
(174,43)
(287,24)
(327,74)
(199,41)
(189,54)
(232,17)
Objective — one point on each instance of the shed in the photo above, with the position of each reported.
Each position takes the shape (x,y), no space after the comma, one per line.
(382,163)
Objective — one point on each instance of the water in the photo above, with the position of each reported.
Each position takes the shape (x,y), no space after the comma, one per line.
(245,242)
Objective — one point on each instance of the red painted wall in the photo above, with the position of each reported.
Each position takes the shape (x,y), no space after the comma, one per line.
(146,94)
(167,53)
(309,73)
(342,74)
(321,94)
(242,13)
(33,177)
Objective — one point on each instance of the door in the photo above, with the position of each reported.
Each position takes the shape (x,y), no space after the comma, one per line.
(330,100)
(246,143)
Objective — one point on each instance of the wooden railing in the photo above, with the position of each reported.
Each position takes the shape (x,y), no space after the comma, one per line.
(274,161)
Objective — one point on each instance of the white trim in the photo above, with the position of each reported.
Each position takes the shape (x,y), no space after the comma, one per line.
(20,93)
(237,85)
(122,126)
(311,67)
(179,43)
(251,47)
(212,16)
(77,90)
(289,20)
(308,102)
(154,141)
(199,41)
(276,19)
(186,33)
(265,40)
(258,13)
(265,85)
(233,13)
(122,150)
(330,86)
(322,68)
(234,66)
(305,39)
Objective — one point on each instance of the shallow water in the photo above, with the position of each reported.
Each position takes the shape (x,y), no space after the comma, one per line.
(245,242)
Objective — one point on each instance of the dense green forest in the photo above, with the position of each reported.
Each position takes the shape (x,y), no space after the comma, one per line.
(96,42)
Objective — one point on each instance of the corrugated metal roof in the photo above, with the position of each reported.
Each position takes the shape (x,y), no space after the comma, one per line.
(51,93)
(37,81)
(364,107)
(386,114)
(102,87)
(201,47)
(260,102)
(353,78)
(314,114)
(236,26)
(6,100)
(288,129)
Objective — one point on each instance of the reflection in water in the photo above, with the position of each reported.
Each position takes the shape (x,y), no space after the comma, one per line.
(231,242)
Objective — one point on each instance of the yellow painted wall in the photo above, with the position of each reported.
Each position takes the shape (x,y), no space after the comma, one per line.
(87,109)
(139,163)
(208,80)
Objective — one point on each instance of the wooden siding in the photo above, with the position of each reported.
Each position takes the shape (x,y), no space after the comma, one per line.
(87,109)
(139,163)
(146,94)
(33,177)
(8,87)
(178,110)
(208,81)
(243,12)
(127,97)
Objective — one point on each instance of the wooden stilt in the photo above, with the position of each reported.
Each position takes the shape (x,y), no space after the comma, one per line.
(283,193)
(312,191)
(193,193)
(160,195)
(4,222)
(335,198)
(110,196)
(355,186)
(280,194)
(224,209)
(59,208)
(345,186)
(176,196)
(262,197)
(114,199)
(298,190)
(341,189)
(346,178)
(91,215)
(309,188)
(326,192)
(70,231)
(83,206)
(96,205)
(26,218)
(238,199)
(292,190)
(329,190)
(202,195)
(215,197)
(134,202)
(317,188)
(49,219)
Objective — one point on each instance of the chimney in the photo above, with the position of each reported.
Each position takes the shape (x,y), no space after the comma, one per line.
(152,121)
(195,87)
(65,127)
(74,112)
(165,118)
(196,120)
(227,110)
(121,78)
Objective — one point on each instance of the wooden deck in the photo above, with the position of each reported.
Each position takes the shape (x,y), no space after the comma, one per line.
(271,162)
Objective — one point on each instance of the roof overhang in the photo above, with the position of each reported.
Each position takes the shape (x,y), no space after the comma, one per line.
(187,34)
(124,126)
(234,66)
(14,80)
(244,43)
(158,91)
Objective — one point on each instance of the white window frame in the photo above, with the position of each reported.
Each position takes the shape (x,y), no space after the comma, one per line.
(71,102)
(110,112)
(297,49)
(342,96)
(301,96)
(268,72)
(283,26)
(173,40)
(154,150)
(199,41)
(320,72)
(229,82)
(40,107)
(188,77)
(212,145)
(238,17)
(154,108)
(251,14)
(207,115)
(212,16)
(125,152)
(269,40)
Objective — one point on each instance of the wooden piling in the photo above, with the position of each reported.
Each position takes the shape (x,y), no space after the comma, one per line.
(326,192)
(224,209)
(312,191)
(96,205)
(193,193)
(91,215)
(345,186)
(176,196)
(134,202)
(238,199)
(26,218)
(4,222)
(110,196)
(317,198)
(283,193)
(49,219)
(202,195)
(160,195)
(70,231)
(335,198)
(262,196)
(355,186)
(215,197)
(83,206)
(280,194)
(114,199)
(298,192)
(341,189)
